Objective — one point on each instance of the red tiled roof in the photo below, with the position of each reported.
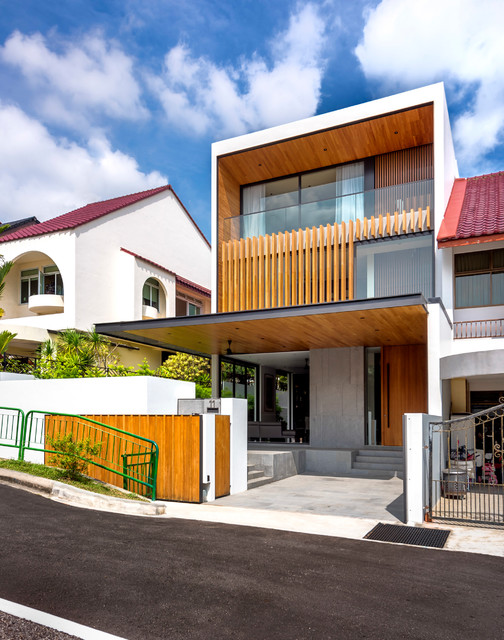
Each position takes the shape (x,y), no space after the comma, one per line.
(179,279)
(475,211)
(83,215)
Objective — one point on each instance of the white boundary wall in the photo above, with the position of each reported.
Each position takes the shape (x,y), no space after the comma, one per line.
(128,395)
(416,461)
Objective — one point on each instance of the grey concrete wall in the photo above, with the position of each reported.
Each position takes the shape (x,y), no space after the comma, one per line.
(479,363)
(337,397)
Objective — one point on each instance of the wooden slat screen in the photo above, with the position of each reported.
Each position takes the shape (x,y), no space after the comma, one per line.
(306,266)
(222,456)
(178,439)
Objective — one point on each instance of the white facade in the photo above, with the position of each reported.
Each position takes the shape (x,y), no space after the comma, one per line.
(104,265)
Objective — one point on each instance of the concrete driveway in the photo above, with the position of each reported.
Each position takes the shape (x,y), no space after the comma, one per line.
(375,499)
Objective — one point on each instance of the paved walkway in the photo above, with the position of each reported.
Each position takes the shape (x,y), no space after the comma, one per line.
(326,495)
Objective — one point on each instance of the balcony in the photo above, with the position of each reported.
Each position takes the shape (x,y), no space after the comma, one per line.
(367,205)
(149,312)
(46,303)
(316,265)
(478,329)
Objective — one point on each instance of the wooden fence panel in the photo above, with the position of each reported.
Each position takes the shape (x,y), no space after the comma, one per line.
(222,456)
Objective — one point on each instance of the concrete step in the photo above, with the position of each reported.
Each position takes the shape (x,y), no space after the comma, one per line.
(382,452)
(252,484)
(376,473)
(367,459)
(376,466)
(255,475)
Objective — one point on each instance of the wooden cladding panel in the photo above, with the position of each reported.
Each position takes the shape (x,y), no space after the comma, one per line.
(306,266)
(178,439)
(222,456)
(404,388)
(408,165)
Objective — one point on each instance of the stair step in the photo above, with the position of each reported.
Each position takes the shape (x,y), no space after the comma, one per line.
(379,459)
(252,484)
(255,474)
(376,473)
(382,453)
(375,466)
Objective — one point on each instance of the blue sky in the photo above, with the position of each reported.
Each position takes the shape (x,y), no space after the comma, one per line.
(103,98)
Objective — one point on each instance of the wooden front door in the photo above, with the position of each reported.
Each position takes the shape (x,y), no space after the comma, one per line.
(403,388)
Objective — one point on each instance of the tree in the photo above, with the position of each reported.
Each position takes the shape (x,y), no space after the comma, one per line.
(5,267)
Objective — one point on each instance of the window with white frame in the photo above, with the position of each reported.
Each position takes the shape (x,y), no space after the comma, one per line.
(29,284)
(150,294)
(188,306)
(479,278)
(51,281)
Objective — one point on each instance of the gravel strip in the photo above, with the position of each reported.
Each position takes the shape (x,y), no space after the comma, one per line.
(14,628)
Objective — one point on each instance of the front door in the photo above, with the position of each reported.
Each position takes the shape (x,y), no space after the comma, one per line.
(404,388)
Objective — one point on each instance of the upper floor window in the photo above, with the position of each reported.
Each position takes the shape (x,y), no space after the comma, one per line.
(34,281)
(479,278)
(319,197)
(51,281)
(186,308)
(150,293)
(29,284)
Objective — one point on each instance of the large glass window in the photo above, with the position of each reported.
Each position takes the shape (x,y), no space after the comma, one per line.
(238,380)
(319,197)
(479,278)
(29,284)
(394,267)
(150,294)
(185,308)
(51,281)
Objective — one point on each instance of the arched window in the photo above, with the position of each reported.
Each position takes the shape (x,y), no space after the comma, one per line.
(151,293)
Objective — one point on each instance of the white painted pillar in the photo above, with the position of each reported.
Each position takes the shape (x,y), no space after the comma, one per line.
(416,465)
(237,410)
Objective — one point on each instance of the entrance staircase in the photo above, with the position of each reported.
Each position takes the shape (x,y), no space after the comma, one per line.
(379,462)
(256,476)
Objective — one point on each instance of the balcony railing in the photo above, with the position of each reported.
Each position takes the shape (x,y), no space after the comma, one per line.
(478,329)
(351,207)
(305,266)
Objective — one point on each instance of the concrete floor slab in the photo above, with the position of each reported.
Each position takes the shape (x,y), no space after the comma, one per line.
(375,499)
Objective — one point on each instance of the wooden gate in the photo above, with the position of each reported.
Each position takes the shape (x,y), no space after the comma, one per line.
(179,439)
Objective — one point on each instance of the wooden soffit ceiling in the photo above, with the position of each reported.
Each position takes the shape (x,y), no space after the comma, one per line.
(391,321)
(384,134)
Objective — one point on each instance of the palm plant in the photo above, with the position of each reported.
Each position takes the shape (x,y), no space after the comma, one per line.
(5,267)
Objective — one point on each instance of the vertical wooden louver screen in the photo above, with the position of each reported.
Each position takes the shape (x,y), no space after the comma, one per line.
(405,166)
(306,266)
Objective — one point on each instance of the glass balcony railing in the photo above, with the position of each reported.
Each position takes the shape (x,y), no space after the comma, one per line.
(406,196)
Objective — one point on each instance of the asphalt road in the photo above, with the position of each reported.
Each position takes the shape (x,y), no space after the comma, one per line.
(144,578)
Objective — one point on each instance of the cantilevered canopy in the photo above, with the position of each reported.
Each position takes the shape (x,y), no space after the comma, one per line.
(385,321)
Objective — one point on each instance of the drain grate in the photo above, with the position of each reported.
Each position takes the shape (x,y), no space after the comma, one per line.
(409,535)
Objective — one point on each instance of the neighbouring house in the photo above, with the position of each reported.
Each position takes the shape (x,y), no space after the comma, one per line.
(135,257)
(339,285)
(471,242)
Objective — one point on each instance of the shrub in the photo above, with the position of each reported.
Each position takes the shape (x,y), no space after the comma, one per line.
(72,455)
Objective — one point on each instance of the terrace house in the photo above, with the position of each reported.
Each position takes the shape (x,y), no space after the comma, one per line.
(129,258)
(331,302)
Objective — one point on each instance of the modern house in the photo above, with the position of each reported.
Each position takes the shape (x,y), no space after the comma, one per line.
(333,303)
(133,257)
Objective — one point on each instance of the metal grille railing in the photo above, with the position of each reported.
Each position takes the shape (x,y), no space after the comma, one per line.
(124,459)
(466,468)
(478,329)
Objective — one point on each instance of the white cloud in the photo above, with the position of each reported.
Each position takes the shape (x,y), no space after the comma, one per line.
(202,96)
(91,76)
(43,176)
(407,43)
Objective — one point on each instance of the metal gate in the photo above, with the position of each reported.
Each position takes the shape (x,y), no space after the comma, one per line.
(465,468)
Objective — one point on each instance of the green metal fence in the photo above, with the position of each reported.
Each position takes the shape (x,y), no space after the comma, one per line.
(11,428)
(124,459)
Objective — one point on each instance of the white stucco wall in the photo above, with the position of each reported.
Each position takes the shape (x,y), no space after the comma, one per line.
(156,228)
(130,395)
